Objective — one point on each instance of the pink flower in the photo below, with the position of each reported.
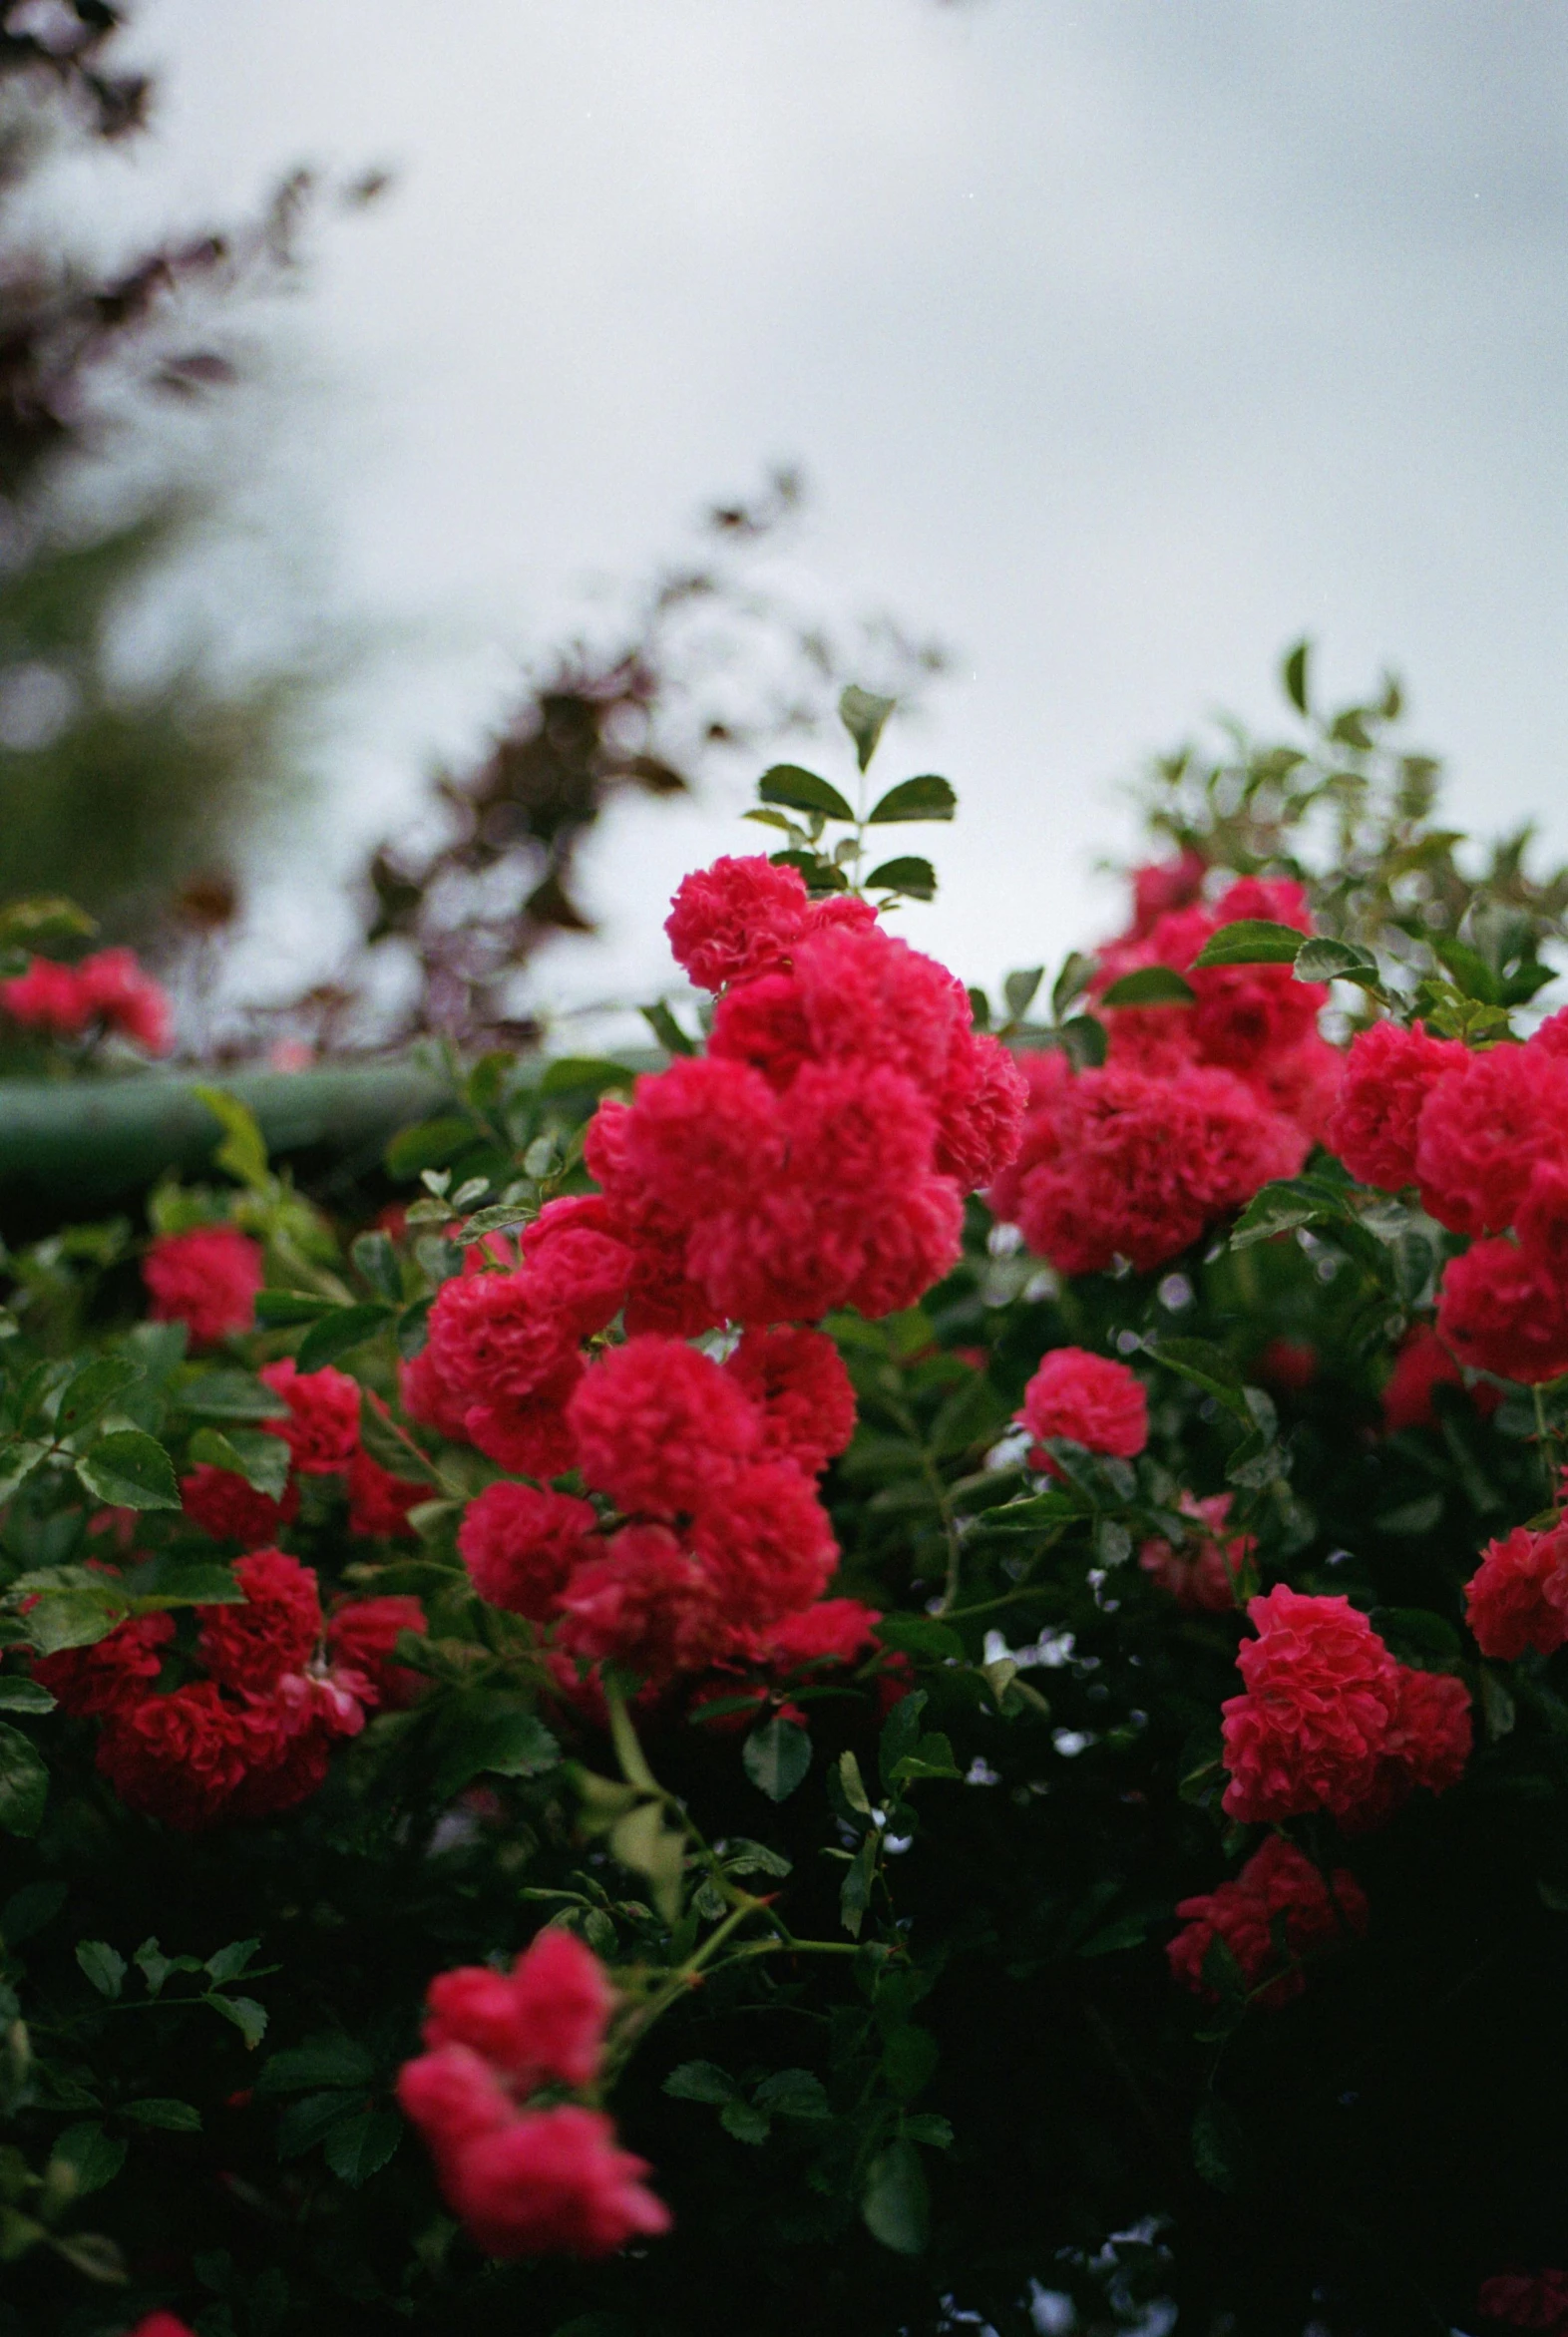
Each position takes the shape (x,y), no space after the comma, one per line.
(1088,1398)
(92,1681)
(229,1507)
(207,1278)
(543,2021)
(1206,1570)
(115,987)
(735,918)
(1498,1312)
(1310,1730)
(798,1381)
(1390,1072)
(1482,1129)
(658,1426)
(322,1426)
(1518,1595)
(553,2183)
(1276,1883)
(378,1502)
(47,997)
(519,1546)
(362,1637)
(276,1630)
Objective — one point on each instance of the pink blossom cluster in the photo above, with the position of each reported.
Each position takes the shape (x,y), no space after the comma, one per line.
(1198,1105)
(1204,1571)
(1277,1892)
(240,1726)
(322,1432)
(708,1535)
(108,990)
(1328,1721)
(527,2178)
(1482,1134)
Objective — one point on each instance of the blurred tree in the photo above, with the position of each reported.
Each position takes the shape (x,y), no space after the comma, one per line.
(121,778)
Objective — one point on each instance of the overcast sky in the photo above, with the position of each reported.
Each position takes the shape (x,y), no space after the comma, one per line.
(1119,343)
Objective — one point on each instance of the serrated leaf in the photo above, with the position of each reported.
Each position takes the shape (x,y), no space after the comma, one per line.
(920,1635)
(584,1074)
(18,1462)
(25,1695)
(917,878)
(248,2016)
(776,1757)
(339,1332)
(803,791)
(864,716)
(74,1618)
(908,2062)
(480,1734)
(377,1262)
(1322,959)
(243,1153)
(171,1581)
(94,2158)
(230,1961)
(237,1395)
(24,1784)
(927,797)
(502,1217)
(309,2121)
(793,2094)
(361,2145)
(93,1391)
(1150,986)
(128,1469)
(1251,940)
(103,1965)
(895,2203)
(1207,1367)
(322,2062)
(701,2081)
(746,2123)
(174,2117)
(262,1459)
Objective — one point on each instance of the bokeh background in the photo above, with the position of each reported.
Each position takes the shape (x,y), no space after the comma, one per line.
(1116,346)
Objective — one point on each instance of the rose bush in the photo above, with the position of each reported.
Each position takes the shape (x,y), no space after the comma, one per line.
(902,1675)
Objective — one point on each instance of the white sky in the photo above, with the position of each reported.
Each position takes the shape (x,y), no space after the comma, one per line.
(1120,343)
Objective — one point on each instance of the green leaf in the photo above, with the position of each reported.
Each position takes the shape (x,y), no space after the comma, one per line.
(900,1734)
(174,2117)
(646,1845)
(1417,1637)
(1293,673)
(93,1391)
(171,1581)
(93,2157)
(24,1784)
(1279,1209)
(361,2145)
(701,2081)
(48,919)
(668,1030)
(1150,986)
(248,2016)
(262,1459)
(1320,960)
(29,1909)
(1469,970)
(428,1145)
(1019,990)
(230,1961)
(776,1757)
(793,2094)
(235,1395)
(281,1308)
(855,1895)
(242,1153)
(323,2060)
(864,715)
(746,2123)
(1085,1041)
(92,2253)
(377,1262)
(1411,1517)
(129,1471)
(481,1734)
(1035,1515)
(853,1784)
(1251,940)
(339,1334)
(820,875)
(803,791)
(920,1635)
(1207,1367)
(908,2062)
(1219,2145)
(309,2121)
(74,1618)
(895,2203)
(917,878)
(104,1965)
(25,1695)
(18,1462)
(583,1076)
(926,798)
(1077,971)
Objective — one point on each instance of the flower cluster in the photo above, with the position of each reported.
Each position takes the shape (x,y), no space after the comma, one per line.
(207,1278)
(524,2180)
(1518,1595)
(1206,1569)
(1482,1136)
(108,990)
(1279,1895)
(713,1533)
(1330,1720)
(244,1726)
(1088,1398)
(322,1427)
(1527,2300)
(1200,1103)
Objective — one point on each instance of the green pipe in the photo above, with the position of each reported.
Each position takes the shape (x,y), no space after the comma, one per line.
(69,1148)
